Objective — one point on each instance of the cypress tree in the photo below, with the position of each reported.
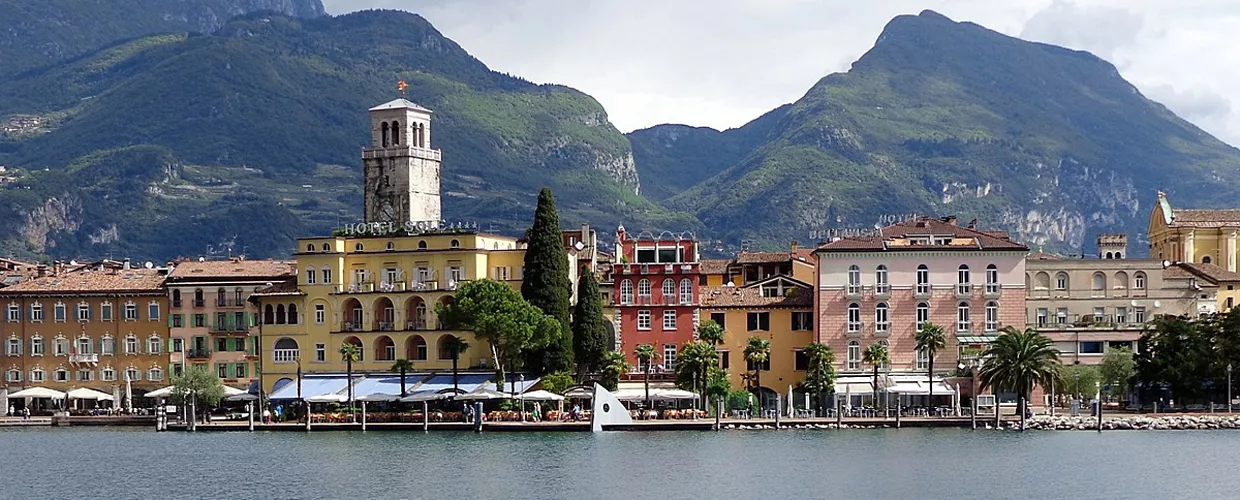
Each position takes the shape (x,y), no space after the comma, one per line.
(546,285)
(589,326)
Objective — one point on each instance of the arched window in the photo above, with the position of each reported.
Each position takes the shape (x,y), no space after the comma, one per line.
(1061,281)
(962,317)
(1099,282)
(421,244)
(1121,280)
(854,280)
(881,323)
(281,316)
(923,314)
(292,314)
(327,275)
(962,280)
(285,351)
(269,315)
(396,133)
(992,279)
(385,349)
(419,315)
(357,247)
(626,292)
(221,297)
(1138,281)
(1206,260)
(383,128)
(198,297)
(923,279)
(444,351)
(686,291)
(310,247)
(326,248)
(391,246)
(421,135)
(361,349)
(176,297)
(854,355)
(880,280)
(669,290)
(1042,281)
(643,288)
(454,244)
(416,348)
(854,317)
(992,316)
(1110,255)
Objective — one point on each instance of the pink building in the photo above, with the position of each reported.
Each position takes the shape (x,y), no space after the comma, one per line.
(881,288)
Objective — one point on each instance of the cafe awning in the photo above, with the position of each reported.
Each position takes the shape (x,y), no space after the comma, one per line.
(89,394)
(38,393)
(311,386)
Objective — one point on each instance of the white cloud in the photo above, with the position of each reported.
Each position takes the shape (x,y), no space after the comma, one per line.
(721,63)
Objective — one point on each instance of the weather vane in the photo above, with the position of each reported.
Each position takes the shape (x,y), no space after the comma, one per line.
(401,86)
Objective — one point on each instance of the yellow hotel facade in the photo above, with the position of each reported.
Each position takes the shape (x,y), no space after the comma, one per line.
(1195,236)
(379,293)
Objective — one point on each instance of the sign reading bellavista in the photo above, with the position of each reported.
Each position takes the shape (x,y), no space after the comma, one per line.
(411,227)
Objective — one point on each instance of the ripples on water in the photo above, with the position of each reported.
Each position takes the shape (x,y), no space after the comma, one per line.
(852,465)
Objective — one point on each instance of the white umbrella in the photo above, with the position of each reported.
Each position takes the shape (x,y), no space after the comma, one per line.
(672,394)
(38,392)
(541,395)
(378,396)
(580,393)
(89,394)
(128,394)
(327,398)
(228,391)
(161,393)
(483,393)
(245,396)
(414,397)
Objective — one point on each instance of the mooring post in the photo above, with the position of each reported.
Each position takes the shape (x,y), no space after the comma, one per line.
(718,414)
(249,409)
(363,416)
(426,417)
(897,412)
(478,416)
(779,406)
(839,412)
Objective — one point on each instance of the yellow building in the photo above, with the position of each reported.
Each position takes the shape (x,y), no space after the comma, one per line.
(1228,283)
(779,310)
(1198,236)
(751,267)
(380,293)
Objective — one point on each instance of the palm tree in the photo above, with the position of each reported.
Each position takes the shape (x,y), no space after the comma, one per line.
(455,346)
(757,353)
(402,366)
(930,340)
(1017,360)
(350,352)
(820,376)
(614,364)
(645,356)
(693,364)
(876,356)
(710,332)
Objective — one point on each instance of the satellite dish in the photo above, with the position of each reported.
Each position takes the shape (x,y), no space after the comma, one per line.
(149,265)
(1166,264)
(1134,303)
(202,259)
(579,246)
(1157,304)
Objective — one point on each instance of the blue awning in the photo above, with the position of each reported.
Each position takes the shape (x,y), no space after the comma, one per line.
(313,386)
(465,382)
(385,385)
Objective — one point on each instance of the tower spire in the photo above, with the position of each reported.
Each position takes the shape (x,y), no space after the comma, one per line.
(401,86)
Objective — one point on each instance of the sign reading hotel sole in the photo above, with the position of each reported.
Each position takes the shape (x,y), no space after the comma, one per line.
(607,410)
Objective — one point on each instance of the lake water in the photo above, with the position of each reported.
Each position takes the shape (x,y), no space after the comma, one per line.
(851,464)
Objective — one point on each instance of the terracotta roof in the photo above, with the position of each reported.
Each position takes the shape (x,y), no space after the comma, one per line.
(1042,256)
(93,281)
(714,266)
(234,268)
(751,296)
(1177,273)
(969,239)
(1210,272)
(1205,218)
(285,288)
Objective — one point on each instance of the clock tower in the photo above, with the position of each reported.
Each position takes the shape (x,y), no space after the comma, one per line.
(401,170)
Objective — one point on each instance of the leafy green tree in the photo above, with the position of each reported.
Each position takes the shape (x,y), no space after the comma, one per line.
(693,364)
(557,382)
(718,385)
(589,326)
(930,340)
(820,373)
(402,366)
(455,346)
(199,385)
(739,399)
(645,357)
(1189,356)
(757,353)
(710,331)
(615,364)
(350,353)
(1018,360)
(1117,370)
(876,356)
(498,315)
(1081,380)
(546,285)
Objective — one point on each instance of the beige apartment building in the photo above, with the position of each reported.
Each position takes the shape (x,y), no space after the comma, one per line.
(212,323)
(1090,306)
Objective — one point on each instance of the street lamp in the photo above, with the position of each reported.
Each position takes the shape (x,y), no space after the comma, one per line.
(523,397)
(1228,387)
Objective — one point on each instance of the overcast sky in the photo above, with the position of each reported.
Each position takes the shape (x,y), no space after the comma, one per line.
(721,63)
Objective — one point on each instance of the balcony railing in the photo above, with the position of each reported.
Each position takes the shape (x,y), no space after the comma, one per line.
(392,286)
(852,291)
(963,290)
(83,358)
(199,303)
(221,303)
(416,325)
(882,291)
(198,353)
(384,326)
(992,290)
(922,291)
(395,152)
(350,327)
(285,355)
(176,303)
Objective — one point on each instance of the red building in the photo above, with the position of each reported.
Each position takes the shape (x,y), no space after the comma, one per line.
(656,292)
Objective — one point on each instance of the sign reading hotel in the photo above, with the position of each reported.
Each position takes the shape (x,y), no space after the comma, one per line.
(408,227)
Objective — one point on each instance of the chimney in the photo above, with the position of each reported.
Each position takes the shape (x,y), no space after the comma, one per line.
(42,270)
(126,266)
(973,223)
(795,246)
(950,219)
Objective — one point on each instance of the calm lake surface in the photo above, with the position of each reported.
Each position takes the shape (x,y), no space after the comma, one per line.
(791,464)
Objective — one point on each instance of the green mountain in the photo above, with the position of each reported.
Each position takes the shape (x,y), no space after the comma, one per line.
(40,33)
(269,113)
(941,117)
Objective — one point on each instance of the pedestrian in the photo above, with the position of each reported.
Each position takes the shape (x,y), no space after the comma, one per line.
(26,413)
(266,416)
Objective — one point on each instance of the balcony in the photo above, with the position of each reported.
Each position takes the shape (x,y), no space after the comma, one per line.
(922,291)
(221,303)
(176,303)
(395,152)
(992,291)
(852,291)
(384,326)
(351,326)
(392,286)
(964,290)
(853,330)
(198,353)
(416,325)
(285,355)
(83,358)
(882,291)
(199,303)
